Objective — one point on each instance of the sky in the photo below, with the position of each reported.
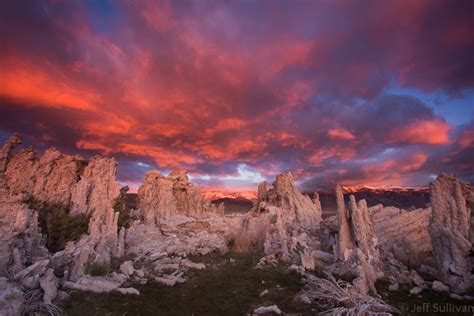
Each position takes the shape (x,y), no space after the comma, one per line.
(377,93)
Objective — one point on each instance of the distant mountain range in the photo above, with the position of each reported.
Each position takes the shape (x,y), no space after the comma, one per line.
(401,197)
(216,195)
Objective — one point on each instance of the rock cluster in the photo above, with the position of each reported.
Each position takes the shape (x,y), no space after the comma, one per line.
(449,229)
(164,196)
(357,243)
(286,196)
(89,188)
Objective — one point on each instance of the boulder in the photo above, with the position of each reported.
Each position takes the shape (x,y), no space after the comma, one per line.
(273,309)
(128,291)
(416,290)
(127,268)
(94,284)
(439,286)
(49,284)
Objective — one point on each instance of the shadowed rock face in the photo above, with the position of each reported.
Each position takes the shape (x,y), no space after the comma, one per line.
(449,230)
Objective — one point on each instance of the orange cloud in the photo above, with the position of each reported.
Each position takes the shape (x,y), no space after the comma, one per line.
(466,140)
(162,156)
(37,87)
(433,132)
(341,133)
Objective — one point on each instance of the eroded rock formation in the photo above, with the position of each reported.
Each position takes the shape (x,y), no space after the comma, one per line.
(367,252)
(449,229)
(285,195)
(403,233)
(163,196)
(345,245)
(97,189)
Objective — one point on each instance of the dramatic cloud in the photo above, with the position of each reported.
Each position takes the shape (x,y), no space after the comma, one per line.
(377,93)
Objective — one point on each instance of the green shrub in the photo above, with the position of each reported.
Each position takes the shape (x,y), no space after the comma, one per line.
(230,243)
(58,225)
(97,269)
(299,249)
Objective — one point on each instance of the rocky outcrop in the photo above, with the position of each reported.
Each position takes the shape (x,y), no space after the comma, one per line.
(20,239)
(262,193)
(163,196)
(97,189)
(6,154)
(88,188)
(449,230)
(357,244)
(55,177)
(285,195)
(50,179)
(367,252)
(403,233)
(345,245)
(67,180)
(21,172)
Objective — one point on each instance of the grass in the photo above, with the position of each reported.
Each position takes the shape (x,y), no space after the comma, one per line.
(222,289)
(97,269)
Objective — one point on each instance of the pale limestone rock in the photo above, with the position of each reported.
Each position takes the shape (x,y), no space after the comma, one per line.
(345,244)
(94,284)
(56,176)
(11,299)
(439,286)
(416,290)
(31,282)
(324,257)
(307,260)
(21,171)
(366,256)
(170,279)
(285,195)
(121,243)
(394,287)
(38,268)
(128,291)
(127,268)
(273,309)
(449,229)
(49,284)
(97,189)
(317,202)
(262,193)
(192,265)
(6,154)
(403,233)
(418,280)
(161,197)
